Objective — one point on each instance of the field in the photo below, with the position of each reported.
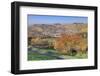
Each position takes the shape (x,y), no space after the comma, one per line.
(50,54)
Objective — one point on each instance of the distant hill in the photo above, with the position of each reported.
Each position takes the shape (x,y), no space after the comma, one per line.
(54,30)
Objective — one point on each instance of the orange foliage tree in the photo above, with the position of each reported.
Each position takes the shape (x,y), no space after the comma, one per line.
(65,43)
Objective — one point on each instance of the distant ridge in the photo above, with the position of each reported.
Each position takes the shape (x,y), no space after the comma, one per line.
(55,29)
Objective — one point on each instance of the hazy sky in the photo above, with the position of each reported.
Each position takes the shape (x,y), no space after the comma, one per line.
(47,19)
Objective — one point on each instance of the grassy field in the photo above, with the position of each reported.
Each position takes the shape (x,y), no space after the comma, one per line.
(50,54)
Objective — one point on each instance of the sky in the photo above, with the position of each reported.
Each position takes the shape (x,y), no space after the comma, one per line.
(47,19)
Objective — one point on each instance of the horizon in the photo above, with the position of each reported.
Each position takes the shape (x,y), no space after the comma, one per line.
(50,19)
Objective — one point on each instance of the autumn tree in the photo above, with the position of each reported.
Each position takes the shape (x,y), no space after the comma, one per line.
(65,43)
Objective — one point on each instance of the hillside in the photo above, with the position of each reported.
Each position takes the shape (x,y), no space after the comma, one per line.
(54,30)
